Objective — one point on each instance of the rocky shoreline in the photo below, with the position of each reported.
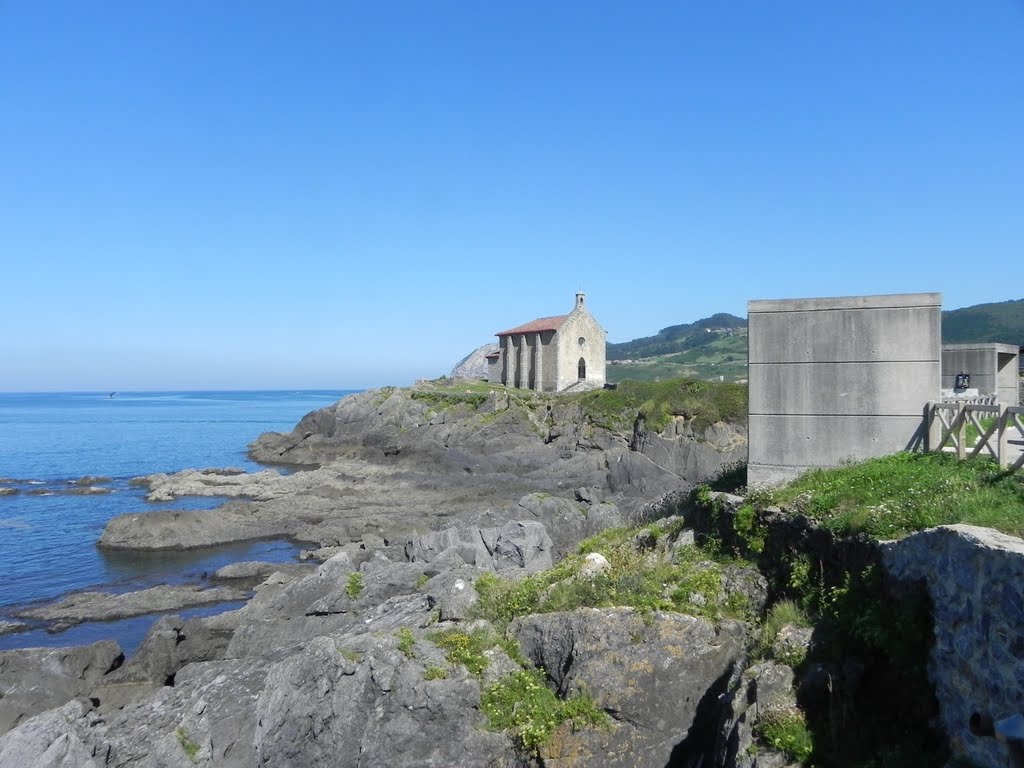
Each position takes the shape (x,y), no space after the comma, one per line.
(405,497)
(387,463)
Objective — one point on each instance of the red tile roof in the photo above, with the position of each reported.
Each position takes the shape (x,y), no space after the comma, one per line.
(540,324)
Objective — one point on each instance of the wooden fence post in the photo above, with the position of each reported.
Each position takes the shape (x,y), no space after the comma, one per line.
(961,430)
(1002,443)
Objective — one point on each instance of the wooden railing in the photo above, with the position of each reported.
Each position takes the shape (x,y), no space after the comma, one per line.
(999,429)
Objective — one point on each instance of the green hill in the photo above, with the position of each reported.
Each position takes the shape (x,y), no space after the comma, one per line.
(677,338)
(1001,321)
(712,348)
(716,347)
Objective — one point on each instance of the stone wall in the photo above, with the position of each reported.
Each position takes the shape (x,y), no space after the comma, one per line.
(975,578)
(581,325)
(547,360)
(974,581)
(837,379)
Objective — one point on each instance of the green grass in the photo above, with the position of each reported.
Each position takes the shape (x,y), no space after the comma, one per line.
(703,401)
(522,703)
(895,495)
(972,433)
(445,393)
(645,580)
(657,369)
(884,720)
(449,399)
(435,673)
(465,648)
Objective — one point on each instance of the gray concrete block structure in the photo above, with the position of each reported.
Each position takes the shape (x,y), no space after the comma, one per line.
(552,354)
(993,369)
(838,378)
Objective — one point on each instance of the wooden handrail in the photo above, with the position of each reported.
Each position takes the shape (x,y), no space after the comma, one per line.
(946,427)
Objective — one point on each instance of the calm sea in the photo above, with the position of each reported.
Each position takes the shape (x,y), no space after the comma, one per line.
(52,444)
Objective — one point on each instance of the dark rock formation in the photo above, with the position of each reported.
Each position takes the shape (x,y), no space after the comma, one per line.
(390,462)
(409,497)
(33,680)
(341,666)
(651,674)
(763,687)
(517,545)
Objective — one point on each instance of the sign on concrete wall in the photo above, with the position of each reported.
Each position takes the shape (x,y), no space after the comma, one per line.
(837,379)
(992,369)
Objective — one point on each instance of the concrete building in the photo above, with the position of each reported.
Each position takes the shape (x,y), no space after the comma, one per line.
(992,368)
(552,354)
(838,378)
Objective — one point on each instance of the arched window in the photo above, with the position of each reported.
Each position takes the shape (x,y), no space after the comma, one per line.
(581,369)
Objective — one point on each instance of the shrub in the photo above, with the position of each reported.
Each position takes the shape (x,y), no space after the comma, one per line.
(406,642)
(354,585)
(703,402)
(783,613)
(470,648)
(189,747)
(785,729)
(522,703)
(435,673)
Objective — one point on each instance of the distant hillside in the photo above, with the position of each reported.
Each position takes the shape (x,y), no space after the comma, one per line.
(1001,321)
(712,348)
(677,338)
(716,347)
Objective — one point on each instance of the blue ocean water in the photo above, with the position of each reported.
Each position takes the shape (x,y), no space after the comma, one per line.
(54,445)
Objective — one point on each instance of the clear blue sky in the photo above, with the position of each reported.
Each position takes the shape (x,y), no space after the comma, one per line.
(335,194)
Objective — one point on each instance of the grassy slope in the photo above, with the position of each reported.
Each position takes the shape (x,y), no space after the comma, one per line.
(704,402)
(707,349)
(892,496)
(676,338)
(885,721)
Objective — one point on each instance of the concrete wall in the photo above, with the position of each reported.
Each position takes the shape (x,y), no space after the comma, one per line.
(993,368)
(838,378)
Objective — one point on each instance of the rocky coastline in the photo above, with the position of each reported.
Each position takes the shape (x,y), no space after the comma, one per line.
(407,498)
(497,578)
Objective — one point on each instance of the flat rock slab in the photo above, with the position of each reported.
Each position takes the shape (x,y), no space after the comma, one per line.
(188,529)
(210,482)
(102,606)
(260,571)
